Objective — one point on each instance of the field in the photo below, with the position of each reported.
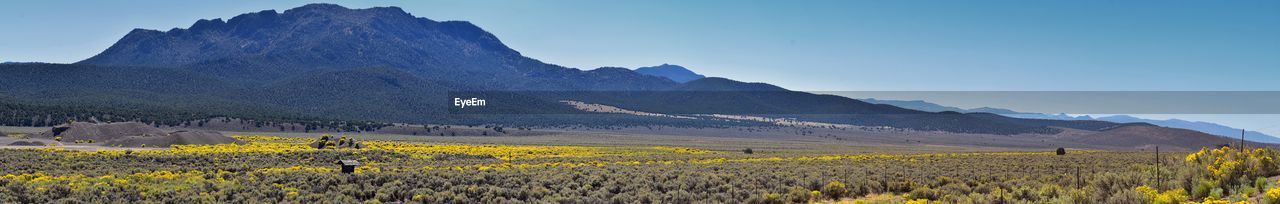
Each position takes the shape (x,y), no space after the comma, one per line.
(286,169)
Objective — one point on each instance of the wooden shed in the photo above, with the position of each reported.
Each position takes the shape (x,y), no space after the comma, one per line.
(348,165)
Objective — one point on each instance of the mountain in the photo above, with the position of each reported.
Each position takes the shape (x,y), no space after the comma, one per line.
(1147,136)
(723,84)
(328,60)
(383,64)
(915,105)
(380,64)
(1206,127)
(676,73)
(933,107)
(267,46)
(714,95)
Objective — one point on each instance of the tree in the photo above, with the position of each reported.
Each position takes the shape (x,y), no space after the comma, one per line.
(1062,151)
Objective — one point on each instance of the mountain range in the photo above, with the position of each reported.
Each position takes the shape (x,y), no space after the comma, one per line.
(1206,127)
(384,64)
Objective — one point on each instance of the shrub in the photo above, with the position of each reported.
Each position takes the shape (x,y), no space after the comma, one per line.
(918,201)
(1062,151)
(834,190)
(773,198)
(1231,171)
(798,195)
(768,198)
(955,189)
(1272,196)
(1171,197)
(17,136)
(1049,190)
(1260,183)
(1127,196)
(1167,197)
(1203,188)
(923,193)
(1215,194)
(287,170)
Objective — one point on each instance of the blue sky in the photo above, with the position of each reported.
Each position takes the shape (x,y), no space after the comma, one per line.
(839,45)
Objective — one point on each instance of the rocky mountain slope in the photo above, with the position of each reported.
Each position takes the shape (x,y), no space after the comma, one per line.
(384,64)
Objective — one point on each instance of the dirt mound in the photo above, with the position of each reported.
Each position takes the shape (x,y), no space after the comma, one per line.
(175,138)
(200,137)
(27,143)
(101,132)
(1144,136)
(132,134)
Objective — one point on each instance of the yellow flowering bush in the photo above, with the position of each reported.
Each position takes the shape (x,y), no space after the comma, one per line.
(1225,168)
(289,170)
(1272,196)
(1174,196)
(503,152)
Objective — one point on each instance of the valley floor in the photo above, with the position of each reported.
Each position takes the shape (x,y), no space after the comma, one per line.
(807,140)
(622,166)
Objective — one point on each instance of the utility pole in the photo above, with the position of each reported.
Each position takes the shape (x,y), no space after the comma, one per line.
(1241,139)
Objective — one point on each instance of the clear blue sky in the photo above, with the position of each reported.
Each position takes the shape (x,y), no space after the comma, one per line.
(840,45)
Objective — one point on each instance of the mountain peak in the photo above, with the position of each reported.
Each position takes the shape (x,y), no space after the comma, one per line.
(322,34)
(318,7)
(676,73)
(267,46)
(334,9)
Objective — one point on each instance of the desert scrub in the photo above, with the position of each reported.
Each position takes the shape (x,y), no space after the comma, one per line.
(274,169)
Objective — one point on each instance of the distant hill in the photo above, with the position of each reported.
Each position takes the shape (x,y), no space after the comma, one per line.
(1147,136)
(915,105)
(1206,127)
(676,73)
(933,107)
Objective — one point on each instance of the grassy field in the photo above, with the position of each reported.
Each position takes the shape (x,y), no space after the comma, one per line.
(623,168)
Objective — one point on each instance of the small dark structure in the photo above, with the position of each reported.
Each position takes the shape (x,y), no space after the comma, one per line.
(348,165)
(1062,151)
